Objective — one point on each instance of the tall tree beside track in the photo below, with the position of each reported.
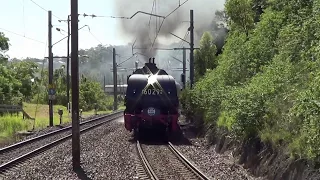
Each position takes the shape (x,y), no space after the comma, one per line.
(205,56)
(266,83)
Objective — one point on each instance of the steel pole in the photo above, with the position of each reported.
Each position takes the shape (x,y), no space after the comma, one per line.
(115,88)
(75,86)
(68,65)
(191,50)
(50,64)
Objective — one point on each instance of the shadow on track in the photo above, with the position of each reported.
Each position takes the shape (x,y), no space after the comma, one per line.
(81,174)
(159,137)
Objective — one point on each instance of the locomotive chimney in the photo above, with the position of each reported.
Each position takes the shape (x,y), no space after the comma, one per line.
(151,66)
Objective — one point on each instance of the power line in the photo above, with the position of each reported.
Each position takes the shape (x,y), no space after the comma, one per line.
(122,17)
(155,11)
(22,35)
(177,7)
(150,20)
(100,41)
(157,34)
(148,26)
(182,42)
(126,60)
(164,19)
(94,36)
(151,11)
(43,8)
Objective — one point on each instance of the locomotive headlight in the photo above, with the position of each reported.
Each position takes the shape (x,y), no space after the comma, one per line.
(152,79)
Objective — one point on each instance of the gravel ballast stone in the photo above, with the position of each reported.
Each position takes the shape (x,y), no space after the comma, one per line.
(39,132)
(10,155)
(106,153)
(213,164)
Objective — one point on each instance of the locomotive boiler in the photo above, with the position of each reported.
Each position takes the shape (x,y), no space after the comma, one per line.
(151,99)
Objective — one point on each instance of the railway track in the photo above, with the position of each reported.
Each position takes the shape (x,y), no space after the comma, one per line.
(17,153)
(165,162)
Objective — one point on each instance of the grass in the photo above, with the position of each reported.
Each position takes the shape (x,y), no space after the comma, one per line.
(10,125)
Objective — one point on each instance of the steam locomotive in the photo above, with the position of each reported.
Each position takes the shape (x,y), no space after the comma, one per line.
(151,100)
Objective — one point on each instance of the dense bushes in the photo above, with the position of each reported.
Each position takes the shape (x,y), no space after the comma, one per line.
(267,80)
(91,94)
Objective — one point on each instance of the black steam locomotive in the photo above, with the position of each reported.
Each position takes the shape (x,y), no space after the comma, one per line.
(151,99)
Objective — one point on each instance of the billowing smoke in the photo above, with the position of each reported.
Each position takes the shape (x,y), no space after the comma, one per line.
(143,28)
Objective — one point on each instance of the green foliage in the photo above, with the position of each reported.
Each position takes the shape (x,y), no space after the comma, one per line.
(4,46)
(266,83)
(91,94)
(306,108)
(241,14)
(21,80)
(9,125)
(205,56)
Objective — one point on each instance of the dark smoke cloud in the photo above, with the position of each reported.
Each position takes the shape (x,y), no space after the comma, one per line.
(138,27)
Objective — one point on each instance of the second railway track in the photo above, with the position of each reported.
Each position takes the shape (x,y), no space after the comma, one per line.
(13,154)
(166,162)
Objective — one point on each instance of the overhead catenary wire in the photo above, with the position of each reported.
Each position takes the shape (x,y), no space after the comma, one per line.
(149,24)
(126,60)
(164,20)
(151,12)
(43,8)
(182,43)
(100,41)
(22,35)
(122,17)
(177,7)
(94,35)
(26,37)
(89,30)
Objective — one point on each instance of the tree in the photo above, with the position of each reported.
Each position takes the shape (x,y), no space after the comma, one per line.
(266,85)
(205,57)
(4,46)
(24,72)
(241,15)
(90,94)
(219,29)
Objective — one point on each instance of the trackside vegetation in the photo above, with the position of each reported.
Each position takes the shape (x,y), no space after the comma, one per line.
(25,81)
(266,82)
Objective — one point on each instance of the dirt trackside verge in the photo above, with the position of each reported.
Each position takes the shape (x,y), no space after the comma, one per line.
(262,160)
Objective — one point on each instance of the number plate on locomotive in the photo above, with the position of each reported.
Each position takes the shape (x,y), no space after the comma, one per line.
(152,91)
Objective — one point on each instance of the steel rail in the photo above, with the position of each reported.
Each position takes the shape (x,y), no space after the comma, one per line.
(7,165)
(187,163)
(146,163)
(37,138)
